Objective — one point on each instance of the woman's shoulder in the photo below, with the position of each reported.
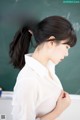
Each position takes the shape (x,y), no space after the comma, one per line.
(27,76)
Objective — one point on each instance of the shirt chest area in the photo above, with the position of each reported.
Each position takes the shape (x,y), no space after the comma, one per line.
(47,95)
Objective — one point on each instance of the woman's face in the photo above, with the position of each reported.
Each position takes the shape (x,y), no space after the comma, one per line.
(58,51)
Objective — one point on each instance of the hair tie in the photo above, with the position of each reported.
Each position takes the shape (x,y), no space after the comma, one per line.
(30,32)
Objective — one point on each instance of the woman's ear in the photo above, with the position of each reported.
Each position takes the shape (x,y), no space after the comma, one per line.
(50,42)
(51,37)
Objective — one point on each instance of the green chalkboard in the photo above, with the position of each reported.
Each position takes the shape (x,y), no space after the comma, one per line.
(11,11)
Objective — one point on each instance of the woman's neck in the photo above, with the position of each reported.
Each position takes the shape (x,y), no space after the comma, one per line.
(40,56)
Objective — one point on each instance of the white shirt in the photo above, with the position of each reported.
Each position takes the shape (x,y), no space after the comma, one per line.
(35,92)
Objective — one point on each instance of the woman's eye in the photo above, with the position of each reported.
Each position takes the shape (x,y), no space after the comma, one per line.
(67,47)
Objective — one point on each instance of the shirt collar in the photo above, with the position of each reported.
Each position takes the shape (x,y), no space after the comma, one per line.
(35,65)
(51,67)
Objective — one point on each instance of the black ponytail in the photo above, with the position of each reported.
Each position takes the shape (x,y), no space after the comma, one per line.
(20,46)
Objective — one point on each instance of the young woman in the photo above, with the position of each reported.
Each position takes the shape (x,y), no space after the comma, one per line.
(38,93)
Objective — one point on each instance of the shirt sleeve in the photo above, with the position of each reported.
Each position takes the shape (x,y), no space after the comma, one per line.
(24,100)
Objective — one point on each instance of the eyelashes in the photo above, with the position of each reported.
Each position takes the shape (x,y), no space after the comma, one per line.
(68,47)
